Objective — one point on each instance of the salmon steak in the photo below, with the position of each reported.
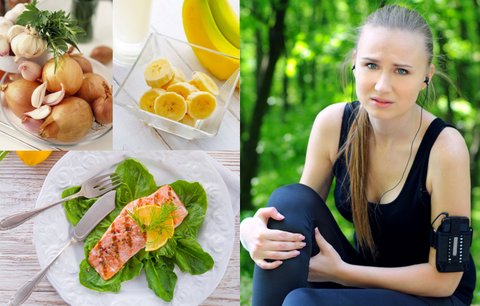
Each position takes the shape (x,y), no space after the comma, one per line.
(124,237)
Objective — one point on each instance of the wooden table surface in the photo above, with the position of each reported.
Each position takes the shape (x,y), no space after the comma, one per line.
(19,188)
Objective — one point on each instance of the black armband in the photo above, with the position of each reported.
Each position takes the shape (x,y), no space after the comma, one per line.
(452,240)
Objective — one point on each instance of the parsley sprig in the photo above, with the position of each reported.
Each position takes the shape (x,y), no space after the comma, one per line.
(57,28)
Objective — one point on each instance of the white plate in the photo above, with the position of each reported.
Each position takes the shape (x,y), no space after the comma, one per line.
(95,132)
(51,229)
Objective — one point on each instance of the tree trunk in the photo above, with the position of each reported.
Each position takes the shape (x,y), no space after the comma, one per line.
(250,158)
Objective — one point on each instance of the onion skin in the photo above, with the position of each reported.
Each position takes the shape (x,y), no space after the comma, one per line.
(18,96)
(93,87)
(69,73)
(69,121)
(102,109)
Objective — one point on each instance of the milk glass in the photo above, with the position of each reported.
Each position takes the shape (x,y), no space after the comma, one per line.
(131,26)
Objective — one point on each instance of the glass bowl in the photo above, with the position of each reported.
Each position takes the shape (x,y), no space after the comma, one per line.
(95,132)
(181,55)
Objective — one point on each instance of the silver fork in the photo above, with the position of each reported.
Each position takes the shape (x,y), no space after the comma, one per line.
(91,188)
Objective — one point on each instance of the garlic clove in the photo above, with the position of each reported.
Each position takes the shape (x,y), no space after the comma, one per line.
(32,125)
(16,11)
(14,31)
(30,71)
(40,113)
(54,98)
(4,45)
(5,25)
(38,95)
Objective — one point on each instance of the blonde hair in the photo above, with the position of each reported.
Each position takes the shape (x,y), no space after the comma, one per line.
(356,148)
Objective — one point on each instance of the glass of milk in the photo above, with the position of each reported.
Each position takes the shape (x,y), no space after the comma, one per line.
(131,26)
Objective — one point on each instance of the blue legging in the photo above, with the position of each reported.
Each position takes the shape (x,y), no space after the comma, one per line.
(304,210)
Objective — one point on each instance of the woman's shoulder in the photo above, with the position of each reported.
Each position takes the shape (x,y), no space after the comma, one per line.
(327,127)
(449,147)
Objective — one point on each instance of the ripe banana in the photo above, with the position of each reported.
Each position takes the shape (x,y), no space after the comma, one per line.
(201,29)
(204,83)
(227,20)
(182,88)
(147,101)
(170,105)
(159,73)
(201,104)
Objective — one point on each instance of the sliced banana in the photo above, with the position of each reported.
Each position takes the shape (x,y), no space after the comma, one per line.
(170,105)
(183,88)
(204,83)
(201,104)
(147,100)
(177,78)
(188,120)
(158,73)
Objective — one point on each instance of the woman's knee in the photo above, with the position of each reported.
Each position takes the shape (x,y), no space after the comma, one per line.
(299,204)
(300,296)
(295,198)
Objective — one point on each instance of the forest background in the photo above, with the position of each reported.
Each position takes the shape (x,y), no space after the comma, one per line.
(293,53)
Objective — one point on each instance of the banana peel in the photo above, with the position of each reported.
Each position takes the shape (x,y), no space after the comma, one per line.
(202,30)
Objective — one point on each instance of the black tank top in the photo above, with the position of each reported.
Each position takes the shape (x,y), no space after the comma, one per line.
(400,228)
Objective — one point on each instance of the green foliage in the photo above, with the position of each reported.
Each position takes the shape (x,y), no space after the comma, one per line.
(319,36)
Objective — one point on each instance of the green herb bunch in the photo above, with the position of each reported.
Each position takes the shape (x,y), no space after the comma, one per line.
(57,28)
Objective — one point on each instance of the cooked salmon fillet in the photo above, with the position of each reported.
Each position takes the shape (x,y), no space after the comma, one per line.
(124,238)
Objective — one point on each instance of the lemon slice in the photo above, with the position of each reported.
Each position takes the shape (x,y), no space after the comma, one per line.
(147,101)
(159,73)
(170,105)
(158,238)
(201,105)
(32,158)
(204,83)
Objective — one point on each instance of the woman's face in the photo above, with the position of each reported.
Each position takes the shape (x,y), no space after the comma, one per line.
(390,69)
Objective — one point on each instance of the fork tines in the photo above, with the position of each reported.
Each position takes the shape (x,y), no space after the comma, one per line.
(108,182)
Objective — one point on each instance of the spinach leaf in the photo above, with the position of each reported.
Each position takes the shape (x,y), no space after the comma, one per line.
(191,258)
(136,182)
(76,208)
(91,279)
(161,278)
(195,199)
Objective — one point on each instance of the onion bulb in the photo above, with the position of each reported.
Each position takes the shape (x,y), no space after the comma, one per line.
(93,87)
(83,62)
(68,72)
(102,109)
(18,96)
(69,121)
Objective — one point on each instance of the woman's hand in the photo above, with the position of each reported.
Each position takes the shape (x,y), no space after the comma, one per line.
(324,266)
(264,243)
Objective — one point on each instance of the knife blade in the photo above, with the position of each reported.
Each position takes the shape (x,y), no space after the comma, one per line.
(96,213)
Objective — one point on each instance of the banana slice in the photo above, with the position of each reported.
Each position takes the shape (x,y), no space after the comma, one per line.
(201,104)
(159,73)
(204,83)
(188,120)
(147,101)
(183,88)
(177,78)
(170,105)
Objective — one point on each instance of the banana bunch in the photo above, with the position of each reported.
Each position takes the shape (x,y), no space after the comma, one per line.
(213,24)
(172,97)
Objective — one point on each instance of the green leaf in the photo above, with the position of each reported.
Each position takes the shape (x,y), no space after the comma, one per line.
(168,250)
(91,279)
(161,278)
(191,258)
(3,154)
(136,182)
(76,208)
